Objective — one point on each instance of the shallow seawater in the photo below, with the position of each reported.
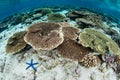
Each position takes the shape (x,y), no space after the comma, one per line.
(59,40)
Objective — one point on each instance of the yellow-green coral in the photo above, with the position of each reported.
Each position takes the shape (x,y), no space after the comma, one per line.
(98,41)
(56,17)
(46,11)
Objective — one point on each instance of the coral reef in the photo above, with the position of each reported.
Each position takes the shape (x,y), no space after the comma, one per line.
(84,21)
(56,17)
(45,36)
(90,60)
(109,59)
(65,42)
(46,11)
(16,42)
(70,33)
(65,24)
(117,59)
(86,18)
(72,50)
(98,41)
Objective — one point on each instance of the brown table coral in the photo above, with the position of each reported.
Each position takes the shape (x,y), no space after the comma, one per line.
(72,50)
(70,33)
(45,36)
(16,42)
(98,41)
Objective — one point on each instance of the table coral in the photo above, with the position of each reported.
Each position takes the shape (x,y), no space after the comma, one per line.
(70,33)
(16,42)
(45,36)
(72,50)
(98,41)
(56,17)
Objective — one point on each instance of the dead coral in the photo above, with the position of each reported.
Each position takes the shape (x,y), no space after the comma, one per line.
(90,60)
(98,41)
(45,36)
(70,33)
(16,42)
(56,17)
(72,50)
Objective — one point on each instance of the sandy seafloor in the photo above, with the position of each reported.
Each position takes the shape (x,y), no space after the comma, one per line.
(12,67)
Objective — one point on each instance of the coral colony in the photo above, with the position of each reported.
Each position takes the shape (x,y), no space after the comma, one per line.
(89,41)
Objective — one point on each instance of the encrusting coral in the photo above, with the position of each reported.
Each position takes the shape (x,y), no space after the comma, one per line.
(16,42)
(90,60)
(72,50)
(44,36)
(56,17)
(98,41)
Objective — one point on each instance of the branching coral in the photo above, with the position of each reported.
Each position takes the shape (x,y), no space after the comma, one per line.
(56,17)
(72,50)
(16,42)
(45,36)
(90,60)
(98,41)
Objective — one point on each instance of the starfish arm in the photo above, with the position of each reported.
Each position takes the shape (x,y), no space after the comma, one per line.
(33,68)
(27,63)
(35,63)
(31,61)
(28,67)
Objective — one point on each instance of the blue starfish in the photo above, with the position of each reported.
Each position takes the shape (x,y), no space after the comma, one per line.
(31,64)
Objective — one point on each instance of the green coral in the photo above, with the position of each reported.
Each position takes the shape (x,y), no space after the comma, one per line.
(98,41)
(56,17)
(46,11)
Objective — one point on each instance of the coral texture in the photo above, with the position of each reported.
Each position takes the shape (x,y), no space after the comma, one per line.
(56,17)
(70,33)
(117,59)
(16,42)
(45,36)
(90,60)
(98,41)
(72,50)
